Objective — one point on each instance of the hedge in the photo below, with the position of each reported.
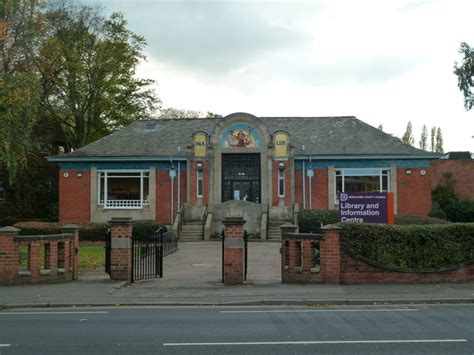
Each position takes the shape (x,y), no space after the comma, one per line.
(411,247)
(311,220)
(89,232)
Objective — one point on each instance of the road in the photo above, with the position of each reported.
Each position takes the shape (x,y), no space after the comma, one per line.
(437,329)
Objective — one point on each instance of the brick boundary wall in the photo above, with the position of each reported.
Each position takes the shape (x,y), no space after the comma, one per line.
(462,175)
(298,265)
(355,271)
(60,261)
(337,267)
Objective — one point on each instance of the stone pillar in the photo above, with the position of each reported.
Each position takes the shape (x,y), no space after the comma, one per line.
(331,255)
(121,252)
(8,258)
(233,250)
(74,258)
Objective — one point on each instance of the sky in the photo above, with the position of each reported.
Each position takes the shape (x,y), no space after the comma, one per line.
(385,62)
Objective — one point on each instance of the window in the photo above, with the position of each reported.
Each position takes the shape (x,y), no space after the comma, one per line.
(199,177)
(361,180)
(281,183)
(123,189)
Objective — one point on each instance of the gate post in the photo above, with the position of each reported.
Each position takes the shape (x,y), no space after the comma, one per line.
(74,257)
(331,254)
(233,263)
(121,249)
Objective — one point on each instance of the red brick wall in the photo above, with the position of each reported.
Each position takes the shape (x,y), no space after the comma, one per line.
(462,175)
(358,272)
(275,197)
(205,183)
(319,189)
(163,195)
(414,192)
(74,196)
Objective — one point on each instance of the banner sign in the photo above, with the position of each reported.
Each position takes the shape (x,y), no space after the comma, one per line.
(366,207)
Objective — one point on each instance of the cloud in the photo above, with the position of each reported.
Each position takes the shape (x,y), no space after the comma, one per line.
(212,37)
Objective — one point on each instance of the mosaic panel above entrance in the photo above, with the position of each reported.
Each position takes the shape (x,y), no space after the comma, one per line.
(240,135)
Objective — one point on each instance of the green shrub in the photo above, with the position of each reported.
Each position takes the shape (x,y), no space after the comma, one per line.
(413,247)
(310,220)
(404,220)
(446,202)
(143,229)
(93,232)
(8,221)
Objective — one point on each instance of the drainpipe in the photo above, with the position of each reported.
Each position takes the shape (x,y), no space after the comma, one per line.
(304,181)
(172,175)
(310,176)
(304,186)
(179,180)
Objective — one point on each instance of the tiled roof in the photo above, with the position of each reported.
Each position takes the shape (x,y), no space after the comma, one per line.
(320,136)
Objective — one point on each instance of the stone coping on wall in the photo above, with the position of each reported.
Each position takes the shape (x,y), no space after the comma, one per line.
(307,236)
(23,238)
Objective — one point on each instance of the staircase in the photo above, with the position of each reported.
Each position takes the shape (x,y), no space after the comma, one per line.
(192,231)
(274,231)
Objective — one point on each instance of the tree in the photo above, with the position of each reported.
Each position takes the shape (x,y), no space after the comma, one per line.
(177,113)
(424,138)
(433,139)
(439,141)
(465,74)
(87,65)
(408,135)
(20,23)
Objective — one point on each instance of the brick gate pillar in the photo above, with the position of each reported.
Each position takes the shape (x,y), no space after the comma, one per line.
(74,257)
(331,255)
(233,250)
(121,249)
(9,264)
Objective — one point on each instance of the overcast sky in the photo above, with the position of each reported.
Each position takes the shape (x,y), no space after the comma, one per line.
(385,62)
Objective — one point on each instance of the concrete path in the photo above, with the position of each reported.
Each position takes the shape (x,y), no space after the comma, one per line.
(192,276)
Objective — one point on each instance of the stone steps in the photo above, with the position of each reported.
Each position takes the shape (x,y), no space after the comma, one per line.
(192,232)
(274,231)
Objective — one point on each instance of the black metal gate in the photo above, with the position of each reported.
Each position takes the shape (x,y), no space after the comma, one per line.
(147,257)
(108,247)
(246,239)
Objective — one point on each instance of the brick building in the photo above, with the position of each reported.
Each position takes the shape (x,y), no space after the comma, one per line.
(264,167)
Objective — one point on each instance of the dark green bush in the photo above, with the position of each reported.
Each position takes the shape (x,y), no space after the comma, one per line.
(93,233)
(413,247)
(446,202)
(143,229)
(310,220)
(404,220)
(8,221)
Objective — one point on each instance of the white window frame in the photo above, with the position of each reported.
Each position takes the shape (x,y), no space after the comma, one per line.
(281,179)
(122,204)
(360,172)
(199,179)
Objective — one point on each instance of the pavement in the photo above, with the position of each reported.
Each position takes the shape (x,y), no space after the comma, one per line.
(192,276)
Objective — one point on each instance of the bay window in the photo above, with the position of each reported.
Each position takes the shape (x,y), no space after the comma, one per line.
(361,180)
(126,189)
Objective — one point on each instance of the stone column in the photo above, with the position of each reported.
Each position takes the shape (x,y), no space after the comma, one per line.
(121,252)
(331,255)
(8,260)
(233,250)
(74,259)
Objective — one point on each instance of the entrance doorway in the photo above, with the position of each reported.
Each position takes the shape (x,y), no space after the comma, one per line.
(241,178)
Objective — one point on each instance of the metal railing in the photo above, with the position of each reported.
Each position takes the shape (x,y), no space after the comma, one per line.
(124,204)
